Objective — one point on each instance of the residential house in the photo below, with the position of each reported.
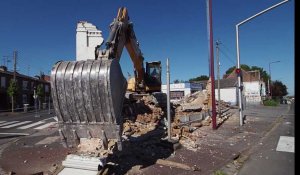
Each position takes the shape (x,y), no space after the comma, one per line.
(254,88)
(26,86)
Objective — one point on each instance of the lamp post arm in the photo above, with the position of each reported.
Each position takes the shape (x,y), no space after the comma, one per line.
(262,12)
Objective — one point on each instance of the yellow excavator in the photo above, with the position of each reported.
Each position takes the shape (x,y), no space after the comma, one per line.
(88,95)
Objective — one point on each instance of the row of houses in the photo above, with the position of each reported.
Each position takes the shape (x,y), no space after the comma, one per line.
(26,85)
(254,88)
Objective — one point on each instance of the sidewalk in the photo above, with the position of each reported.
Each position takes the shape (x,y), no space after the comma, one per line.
(221,149)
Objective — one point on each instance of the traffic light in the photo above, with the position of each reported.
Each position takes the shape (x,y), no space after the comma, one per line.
(238,71)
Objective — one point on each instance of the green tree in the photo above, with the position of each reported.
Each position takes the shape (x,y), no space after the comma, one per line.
(40,92)
(12,91)
(176,81)
(200,78)
(278,89)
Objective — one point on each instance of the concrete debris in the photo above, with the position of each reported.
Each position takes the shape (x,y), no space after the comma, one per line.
(176,165)
(94,147)
(91,163)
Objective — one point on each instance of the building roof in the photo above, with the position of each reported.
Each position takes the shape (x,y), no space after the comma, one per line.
(5,71)
(226,83)
(248,76)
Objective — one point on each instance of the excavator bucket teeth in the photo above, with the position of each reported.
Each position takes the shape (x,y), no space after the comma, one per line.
(88,99)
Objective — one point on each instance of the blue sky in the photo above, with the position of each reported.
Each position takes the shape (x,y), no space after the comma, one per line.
(44,32)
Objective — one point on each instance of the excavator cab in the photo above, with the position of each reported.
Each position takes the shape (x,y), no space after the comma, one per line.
(153,76)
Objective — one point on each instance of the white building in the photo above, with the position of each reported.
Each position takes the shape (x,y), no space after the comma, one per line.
(253,88)
(179,90)
(228,90)
(88,37)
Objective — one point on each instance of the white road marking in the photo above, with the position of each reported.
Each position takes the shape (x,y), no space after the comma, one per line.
(45,126)
(48,140)
(8,133)
(8,123)
(16,124)
(31,125)
(2,121)
(286,144)
(55,118)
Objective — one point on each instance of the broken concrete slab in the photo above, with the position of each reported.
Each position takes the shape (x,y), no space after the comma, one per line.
(84,162)
(74,171)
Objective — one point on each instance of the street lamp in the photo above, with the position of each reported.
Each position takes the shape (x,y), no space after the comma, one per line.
(269,80)
(238,54)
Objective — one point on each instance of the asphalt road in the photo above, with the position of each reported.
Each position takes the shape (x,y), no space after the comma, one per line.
(275,154)
(17,125)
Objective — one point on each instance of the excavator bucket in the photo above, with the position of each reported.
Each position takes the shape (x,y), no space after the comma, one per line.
(88,99)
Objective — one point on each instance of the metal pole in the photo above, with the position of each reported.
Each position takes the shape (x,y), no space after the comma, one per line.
(262,12)
(168,100)
(270,79)
(49,104)
(35,103)
(211,56)
(238,53)
(218,72)
(239,75)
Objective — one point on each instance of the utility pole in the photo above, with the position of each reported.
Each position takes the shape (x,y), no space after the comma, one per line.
(15,55)
(218,74)
(211,56)
(15,63)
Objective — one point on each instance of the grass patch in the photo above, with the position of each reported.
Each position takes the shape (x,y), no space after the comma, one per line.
(270,102)
(219,172)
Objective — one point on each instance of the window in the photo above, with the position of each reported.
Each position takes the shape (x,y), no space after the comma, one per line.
(3,82)
(24,98)
(46,88)
(32,85)
(25,85)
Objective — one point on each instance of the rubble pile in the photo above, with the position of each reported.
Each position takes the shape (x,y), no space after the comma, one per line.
(95,147)
(145,116)
(188,114)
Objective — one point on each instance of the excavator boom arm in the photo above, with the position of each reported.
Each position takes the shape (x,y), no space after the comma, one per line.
(122,34)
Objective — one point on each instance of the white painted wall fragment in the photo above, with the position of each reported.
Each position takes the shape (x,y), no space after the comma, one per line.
(87,38)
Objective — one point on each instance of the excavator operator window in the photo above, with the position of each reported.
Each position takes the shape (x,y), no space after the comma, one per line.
(153,72)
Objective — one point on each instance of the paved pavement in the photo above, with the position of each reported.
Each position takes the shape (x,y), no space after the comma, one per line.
(276,154)
(22,124)
(225,149)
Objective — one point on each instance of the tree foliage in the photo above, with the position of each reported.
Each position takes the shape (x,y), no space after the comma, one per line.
(178,81)
(12,89)
(200,78)
(278,89)
(40,91)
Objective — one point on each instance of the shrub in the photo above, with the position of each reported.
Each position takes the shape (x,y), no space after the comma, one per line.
(270,102)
